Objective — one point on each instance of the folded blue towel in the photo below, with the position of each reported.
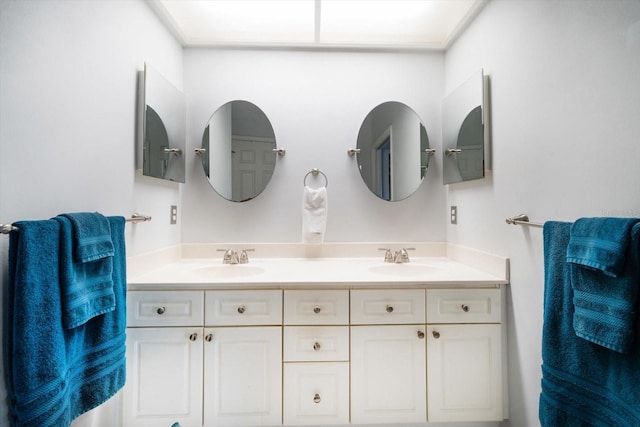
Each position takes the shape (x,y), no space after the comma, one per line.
(54,374)
(91,236)
(86,287)
(583,384)
(605,275)
(600,243)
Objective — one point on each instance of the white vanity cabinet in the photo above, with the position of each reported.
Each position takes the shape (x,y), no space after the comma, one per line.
(164,359)
(243,358)
(227,373)
(464,355)
(316,357)
(388,364)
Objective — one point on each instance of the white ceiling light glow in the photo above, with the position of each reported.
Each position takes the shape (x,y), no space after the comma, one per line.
(428,24)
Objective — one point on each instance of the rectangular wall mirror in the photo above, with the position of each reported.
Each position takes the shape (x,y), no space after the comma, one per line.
(162,121)
(465,131)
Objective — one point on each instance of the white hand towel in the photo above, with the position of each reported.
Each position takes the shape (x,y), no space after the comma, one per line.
(314,214)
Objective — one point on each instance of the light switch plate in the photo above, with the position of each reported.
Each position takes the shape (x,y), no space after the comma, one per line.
(454,214)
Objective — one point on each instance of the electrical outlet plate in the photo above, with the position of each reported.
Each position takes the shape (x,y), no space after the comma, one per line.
(173,215)
(454,214)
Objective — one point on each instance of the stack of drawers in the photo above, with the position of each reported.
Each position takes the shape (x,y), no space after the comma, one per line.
(316,357)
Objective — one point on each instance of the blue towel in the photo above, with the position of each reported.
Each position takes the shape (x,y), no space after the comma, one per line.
(600,243)
(605,275)
(583,384)
(91,236)
(86,286)
(54,374)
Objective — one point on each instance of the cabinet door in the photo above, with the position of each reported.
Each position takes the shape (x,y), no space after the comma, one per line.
(464,372)
(388,374)
(164,377)
(243,376)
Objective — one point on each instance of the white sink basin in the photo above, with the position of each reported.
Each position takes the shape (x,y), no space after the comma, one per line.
(405,270)
(227,271)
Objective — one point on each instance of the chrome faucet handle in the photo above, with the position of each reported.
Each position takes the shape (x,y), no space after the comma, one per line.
(388,256)
(244,257)
(404,255)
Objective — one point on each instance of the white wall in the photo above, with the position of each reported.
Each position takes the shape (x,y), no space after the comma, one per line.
(565,85)
(67,115)
(565,130)
(316,102)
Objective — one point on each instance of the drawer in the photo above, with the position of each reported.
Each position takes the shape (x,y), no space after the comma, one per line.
(463,306)
(328,307)
(226,308)
(400,306)
(165,308)
(316,393)
(316,343)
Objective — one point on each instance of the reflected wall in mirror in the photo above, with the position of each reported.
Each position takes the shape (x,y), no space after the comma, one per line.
(393,152)
(163,128)
(238,151)
(465,131)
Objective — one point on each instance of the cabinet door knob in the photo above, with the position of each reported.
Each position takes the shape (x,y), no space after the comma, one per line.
(464,307)
(316,346)
(161,310)
(242,309)
(420,334)
(193,337)
(208,338)
(316,398)
(436,334)
(317,309)
(389,309)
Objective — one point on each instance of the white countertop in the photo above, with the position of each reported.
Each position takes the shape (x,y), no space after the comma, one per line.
(431,265)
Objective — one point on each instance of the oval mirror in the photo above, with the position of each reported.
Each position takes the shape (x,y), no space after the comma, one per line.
(393,151)
(238,151)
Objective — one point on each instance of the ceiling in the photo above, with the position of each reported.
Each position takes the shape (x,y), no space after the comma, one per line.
(373,24)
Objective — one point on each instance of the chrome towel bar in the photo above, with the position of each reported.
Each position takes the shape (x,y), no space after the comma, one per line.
(135,218)
(522,219)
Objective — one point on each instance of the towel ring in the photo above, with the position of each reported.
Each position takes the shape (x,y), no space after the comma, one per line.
(315,172)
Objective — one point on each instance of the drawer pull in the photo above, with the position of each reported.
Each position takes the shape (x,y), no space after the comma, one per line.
(316,346)
(316,398)
(208,338)
(464,307)
(389,309)
(420,334)
(436,334)
(317,309)
(161,310)
(242,309)
(193,337)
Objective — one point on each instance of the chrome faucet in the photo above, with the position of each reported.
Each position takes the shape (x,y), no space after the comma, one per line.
(230,256)
(399,257)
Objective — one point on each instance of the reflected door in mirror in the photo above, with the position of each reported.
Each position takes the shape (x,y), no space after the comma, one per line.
(237,152)
(393,152)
